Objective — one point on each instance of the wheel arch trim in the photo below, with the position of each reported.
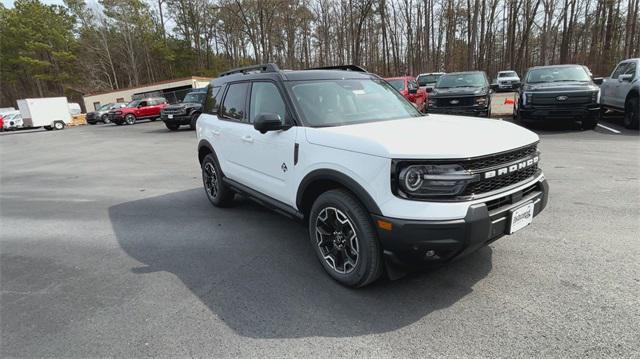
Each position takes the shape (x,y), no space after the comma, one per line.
(342,179)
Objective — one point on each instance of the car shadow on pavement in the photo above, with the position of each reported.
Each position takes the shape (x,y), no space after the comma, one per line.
(255,270)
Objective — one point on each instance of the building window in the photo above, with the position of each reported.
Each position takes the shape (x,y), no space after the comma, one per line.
(96,105)
(120,100)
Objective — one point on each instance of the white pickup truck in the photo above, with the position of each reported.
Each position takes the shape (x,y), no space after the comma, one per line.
(621,92)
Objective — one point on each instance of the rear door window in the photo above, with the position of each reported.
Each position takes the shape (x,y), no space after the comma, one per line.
(233,106)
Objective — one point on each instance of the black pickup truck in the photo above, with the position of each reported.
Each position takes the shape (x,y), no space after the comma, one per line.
(185,112)
(461,93)
(560,93)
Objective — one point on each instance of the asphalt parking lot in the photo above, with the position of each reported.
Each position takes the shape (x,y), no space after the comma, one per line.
(109,248)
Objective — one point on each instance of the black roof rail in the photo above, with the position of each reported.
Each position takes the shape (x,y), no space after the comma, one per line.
(341,67)
(270,67)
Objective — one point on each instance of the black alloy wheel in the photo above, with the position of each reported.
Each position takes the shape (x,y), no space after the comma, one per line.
(217,192)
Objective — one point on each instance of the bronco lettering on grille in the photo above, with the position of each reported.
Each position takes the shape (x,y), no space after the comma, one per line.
(512,168)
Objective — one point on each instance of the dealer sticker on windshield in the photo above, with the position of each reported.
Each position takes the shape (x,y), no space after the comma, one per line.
(521,217)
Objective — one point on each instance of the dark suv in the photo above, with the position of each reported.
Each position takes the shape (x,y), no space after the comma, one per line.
(461,93)
(185,112)
(562,92)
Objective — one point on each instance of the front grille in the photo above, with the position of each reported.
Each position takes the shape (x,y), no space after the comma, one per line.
(495,183)
(462,101)
(573,98)
(173,111)
(502,158)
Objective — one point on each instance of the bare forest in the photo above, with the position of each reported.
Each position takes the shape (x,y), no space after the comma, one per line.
(83,47)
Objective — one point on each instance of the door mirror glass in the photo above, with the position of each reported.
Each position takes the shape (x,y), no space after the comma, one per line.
(265,122)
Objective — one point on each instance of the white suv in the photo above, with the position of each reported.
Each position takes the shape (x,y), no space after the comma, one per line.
(507,80)
(379,184)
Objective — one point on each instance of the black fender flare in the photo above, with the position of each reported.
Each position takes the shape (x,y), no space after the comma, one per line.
(344,180)
(205,144)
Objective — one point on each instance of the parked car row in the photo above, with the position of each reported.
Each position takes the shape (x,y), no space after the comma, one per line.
(152,108)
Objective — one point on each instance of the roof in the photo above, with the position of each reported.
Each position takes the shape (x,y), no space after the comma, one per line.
(400,78)
(198,78)
(295,75)
(464,72)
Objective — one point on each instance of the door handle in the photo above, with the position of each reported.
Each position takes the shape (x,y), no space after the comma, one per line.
(247,138)
(215,132)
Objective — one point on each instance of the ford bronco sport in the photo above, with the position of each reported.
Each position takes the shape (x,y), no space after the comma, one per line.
(138,109)
(379,184)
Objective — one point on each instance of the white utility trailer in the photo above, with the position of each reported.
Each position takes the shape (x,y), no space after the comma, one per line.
(52,113)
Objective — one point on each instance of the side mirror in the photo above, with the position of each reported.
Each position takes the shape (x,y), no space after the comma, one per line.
(266,122)
(597,80)
(429,89)
(625,77)
(494,87)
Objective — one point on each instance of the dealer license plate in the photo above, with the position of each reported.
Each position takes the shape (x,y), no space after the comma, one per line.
(170,116)
(521,217)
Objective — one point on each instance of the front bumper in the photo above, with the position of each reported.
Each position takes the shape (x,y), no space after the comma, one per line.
(460,110)
(182,119)
(533,112)
(408,242)
(116,118)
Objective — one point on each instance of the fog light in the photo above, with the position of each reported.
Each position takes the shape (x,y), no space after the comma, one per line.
(430,253)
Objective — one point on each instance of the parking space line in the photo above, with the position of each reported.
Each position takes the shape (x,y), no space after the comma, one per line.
(609,128)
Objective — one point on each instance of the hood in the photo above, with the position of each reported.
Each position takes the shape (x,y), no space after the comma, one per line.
(560,86)
(457,91)
(428,137)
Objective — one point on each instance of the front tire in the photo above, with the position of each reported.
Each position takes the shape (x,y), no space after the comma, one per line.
(105,119)
(590,123)
(632,113)
(219,194)
(344,239)
(172,126)
(130,119)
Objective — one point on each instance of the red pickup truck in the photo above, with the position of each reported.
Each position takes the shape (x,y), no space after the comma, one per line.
(138,109)
(408,87)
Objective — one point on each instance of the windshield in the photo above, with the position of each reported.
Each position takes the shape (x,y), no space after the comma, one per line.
(508,74)
(474,79)
(133,104)
(423,80)
(397,84)
(325,103)
(105,107)
(558,74)
(194,97)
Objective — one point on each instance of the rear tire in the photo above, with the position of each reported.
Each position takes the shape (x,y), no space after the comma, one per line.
(219,194)
(632,113)
(172,126)
(58,125)
(344,239)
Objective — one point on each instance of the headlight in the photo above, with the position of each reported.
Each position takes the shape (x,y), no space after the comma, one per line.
(595,96)
(526,98)
(481,100)
(428,180)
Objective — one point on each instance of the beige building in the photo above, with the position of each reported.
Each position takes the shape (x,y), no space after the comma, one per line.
(172,90)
